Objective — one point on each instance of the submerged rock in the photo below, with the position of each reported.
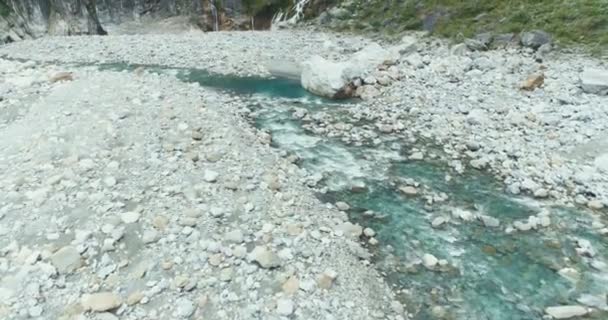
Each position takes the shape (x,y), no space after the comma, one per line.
(408,190)
(438,222)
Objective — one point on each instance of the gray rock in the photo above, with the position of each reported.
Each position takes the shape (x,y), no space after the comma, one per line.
(595,81)
(429,261)
(184,308)
(544,50)
(369,232)
(35,311)
(210,176)
(595,204)
(149,236)
(326,279)
(484,38)
(342,206)
(350,230)
(339,13)
(234,236)
(541,193)
(594,301)
(475,45)
(285,307)
(477,117)
(489,221)
(460,49)
(566,312)
(367,92)
(101,301)
(324,18)
(66,259)
(503,40)
(407,45)
(535,38)
(408,190)
(105,316)
(415,60)
(197,135)
(130,217)
(265,258)
(438,222)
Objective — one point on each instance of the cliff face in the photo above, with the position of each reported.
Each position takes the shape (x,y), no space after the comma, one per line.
(34,18)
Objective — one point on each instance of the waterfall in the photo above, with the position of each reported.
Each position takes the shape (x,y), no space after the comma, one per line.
(216,26)
(297,12)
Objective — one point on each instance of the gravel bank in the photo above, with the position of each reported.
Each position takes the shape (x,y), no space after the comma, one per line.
(545,142)
(136,196)
(242,53)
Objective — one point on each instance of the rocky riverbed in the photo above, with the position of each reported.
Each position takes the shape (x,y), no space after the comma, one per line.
(471,102)
(534,119)
(136,196)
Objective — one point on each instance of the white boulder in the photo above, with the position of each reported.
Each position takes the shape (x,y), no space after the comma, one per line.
(324,78)
(595,81)
(335,79)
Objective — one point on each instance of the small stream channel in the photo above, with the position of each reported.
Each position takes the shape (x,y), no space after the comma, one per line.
(489,273)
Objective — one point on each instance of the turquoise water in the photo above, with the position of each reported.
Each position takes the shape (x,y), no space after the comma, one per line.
(283,88)
(491,274)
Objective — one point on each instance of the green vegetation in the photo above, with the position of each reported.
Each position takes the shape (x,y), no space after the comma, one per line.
(5,10)
(579,21)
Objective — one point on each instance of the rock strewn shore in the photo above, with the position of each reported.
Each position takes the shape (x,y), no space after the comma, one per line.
(239,53)
(136,196)
(469,101)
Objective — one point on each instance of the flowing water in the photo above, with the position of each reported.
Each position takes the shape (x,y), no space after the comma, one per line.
(490,273)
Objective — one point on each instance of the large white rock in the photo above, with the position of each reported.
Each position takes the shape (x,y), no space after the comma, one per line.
(566,312)
(333,79)
(595,81)
(323,77)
